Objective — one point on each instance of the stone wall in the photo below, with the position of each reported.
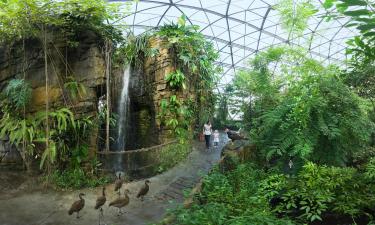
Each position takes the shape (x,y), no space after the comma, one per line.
(153,88)
(85,63)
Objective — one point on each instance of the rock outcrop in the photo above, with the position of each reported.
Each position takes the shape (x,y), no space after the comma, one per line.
(84,64)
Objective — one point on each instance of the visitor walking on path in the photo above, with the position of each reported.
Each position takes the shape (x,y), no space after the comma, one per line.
(207,131)
(216,138)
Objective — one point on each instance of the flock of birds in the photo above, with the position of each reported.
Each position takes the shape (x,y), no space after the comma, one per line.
(120,202)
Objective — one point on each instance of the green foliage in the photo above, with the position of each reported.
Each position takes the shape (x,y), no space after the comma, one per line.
(370,169)
(362,80)
(19,130)
(362,17)
(18,93)
(195,68)
(75,88)
(193,51)
(176,79)
(295,14)
(66,134)
(177,114)
(76,179)
(173,154)
(305,110)
(320,189)
(247,195)
(134,50)
(230,198)
(26,19)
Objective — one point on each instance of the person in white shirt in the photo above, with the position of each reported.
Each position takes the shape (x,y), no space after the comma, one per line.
(216,138)
(207,131)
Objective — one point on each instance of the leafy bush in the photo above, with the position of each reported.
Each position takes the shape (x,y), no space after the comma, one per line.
(247,195)
(173,154)
(176,79)
(76,179)
(321,189)
(210,214)
(305,110)
(230,198)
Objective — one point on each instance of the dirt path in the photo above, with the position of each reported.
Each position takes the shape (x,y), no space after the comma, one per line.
(50,207)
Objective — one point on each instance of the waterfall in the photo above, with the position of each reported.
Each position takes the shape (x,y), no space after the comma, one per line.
(123,110)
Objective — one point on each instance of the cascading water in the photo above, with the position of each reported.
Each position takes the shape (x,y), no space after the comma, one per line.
(122,115)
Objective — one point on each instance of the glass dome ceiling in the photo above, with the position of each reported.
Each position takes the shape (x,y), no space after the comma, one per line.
(241,28)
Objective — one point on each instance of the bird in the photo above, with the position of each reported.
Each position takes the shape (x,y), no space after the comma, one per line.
(145,188)
(77,205)
(100,201)
(118,183)
(121,202)
(234,136)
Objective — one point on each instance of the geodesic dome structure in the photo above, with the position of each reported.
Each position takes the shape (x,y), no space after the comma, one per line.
(241,28)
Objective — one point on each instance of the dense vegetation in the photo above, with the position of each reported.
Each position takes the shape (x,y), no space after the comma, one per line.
(56,137)
(313,128)
(249,195)
(194,68)
(312,123)
(30,18)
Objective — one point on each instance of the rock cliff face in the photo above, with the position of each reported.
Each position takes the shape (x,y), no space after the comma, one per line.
(84,63)
(148,88)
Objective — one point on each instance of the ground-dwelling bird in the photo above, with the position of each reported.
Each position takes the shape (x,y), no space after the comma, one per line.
(77,205)
(121,202)
(234,136)
(118,183)
(100,201)
(145,188)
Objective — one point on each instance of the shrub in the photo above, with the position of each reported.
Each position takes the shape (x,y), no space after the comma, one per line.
(247,195)
(172,155)
(321,189)
(76,179)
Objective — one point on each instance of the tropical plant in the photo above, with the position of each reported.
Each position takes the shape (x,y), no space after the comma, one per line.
(247,195)
(230,197)
(75,179)
(65,133)
(304,110)
(295,14)
(173,154)
(18,93)
(27,19)
(75,89)
(176,79)
(362,15)
(194,68)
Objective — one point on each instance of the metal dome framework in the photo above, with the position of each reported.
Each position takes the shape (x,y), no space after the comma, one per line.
(241,28)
